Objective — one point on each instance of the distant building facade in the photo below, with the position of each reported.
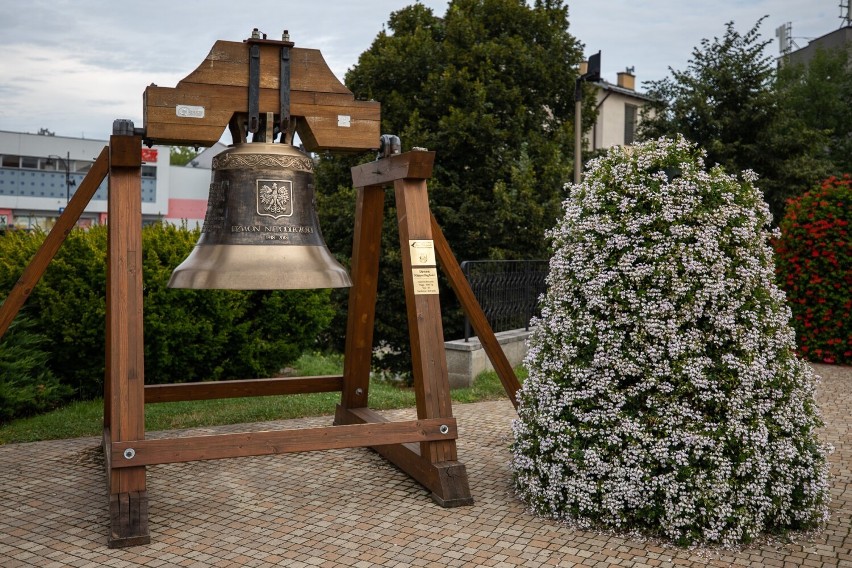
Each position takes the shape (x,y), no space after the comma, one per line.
(619,106)
(835,40)
(39,173)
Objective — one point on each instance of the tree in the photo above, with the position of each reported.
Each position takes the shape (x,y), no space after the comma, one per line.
(490,87)
(819,95)
(181,155)
(725,102)
(664,395)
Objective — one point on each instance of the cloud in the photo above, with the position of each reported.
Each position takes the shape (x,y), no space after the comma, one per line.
(75,65)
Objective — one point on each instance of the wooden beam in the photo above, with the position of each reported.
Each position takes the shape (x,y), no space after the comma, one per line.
(124,309)
(199,108)
(474,312)
(416,164)
(54,239)
(236,389)
(360,323)
(175,450)
(423,307)
(125,351)
(106,443)
(447,480)
(128,514)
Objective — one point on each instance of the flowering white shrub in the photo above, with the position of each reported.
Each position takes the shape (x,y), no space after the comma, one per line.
(664,396)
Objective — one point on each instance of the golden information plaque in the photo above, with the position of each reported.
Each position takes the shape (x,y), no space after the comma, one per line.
(422,252)
(425,280)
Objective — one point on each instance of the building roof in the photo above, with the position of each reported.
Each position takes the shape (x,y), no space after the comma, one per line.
(607,86)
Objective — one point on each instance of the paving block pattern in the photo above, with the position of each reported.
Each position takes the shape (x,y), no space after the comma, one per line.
(350,508)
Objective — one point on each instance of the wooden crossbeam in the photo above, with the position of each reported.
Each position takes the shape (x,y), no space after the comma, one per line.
(244,444)
(208,390)
(199,108)
(410,165)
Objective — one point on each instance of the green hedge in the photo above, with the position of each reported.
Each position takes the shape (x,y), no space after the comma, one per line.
(190,335)
(815,270)
(27,386)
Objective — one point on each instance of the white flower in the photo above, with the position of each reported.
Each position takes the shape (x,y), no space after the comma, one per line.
(663,393)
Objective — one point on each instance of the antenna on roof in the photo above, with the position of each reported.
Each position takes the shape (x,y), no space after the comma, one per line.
(846,13)
(784,33)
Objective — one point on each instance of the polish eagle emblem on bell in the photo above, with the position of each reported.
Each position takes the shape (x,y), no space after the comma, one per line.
(274,198)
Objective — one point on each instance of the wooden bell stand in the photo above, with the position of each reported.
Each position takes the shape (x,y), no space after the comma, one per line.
(328,118)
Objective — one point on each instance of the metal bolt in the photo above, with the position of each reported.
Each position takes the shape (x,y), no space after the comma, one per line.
(129,453)
(444,429)
(359,391)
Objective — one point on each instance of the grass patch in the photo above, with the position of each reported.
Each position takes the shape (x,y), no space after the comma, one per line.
(86,418)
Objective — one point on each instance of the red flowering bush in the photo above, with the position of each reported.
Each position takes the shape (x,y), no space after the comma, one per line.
(815,269)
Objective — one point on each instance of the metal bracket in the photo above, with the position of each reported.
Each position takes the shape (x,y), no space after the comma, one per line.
(254,89)
(286,135)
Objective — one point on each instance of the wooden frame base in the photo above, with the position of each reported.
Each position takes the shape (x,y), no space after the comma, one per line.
(447,480)
(128,517)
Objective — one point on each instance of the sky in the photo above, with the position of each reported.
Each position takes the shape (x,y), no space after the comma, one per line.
(73,66)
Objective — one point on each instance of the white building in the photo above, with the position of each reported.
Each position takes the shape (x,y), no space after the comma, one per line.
(619,107)
(40,172)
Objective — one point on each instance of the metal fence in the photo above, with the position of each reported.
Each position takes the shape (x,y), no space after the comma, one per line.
(507,291)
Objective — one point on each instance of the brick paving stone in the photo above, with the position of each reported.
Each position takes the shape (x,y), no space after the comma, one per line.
(344,508)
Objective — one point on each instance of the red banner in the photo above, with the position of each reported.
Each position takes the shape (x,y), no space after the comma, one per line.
(149,154)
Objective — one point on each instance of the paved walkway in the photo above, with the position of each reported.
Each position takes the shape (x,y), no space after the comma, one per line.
(350,508)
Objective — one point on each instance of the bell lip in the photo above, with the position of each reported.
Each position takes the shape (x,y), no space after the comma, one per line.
(201,280)
(259,267)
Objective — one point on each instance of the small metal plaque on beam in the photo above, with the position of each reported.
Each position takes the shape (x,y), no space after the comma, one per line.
(189,111)
(422,252)
(425,280)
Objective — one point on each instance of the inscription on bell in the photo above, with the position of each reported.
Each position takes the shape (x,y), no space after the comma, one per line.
(272,229)
(274,198)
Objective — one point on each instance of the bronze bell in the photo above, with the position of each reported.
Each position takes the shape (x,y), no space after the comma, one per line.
(261,230)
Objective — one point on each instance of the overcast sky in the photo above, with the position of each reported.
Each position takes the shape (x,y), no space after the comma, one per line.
(73,66)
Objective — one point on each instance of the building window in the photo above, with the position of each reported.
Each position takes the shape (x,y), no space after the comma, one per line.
(630,112)
(29,162)
(11,161)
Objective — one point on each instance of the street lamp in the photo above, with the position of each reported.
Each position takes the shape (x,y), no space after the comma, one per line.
(66,163)
(593,73)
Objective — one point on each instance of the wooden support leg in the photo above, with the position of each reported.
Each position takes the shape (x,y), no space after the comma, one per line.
(125,352)
(434,463)
(366,248)
(429,360)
